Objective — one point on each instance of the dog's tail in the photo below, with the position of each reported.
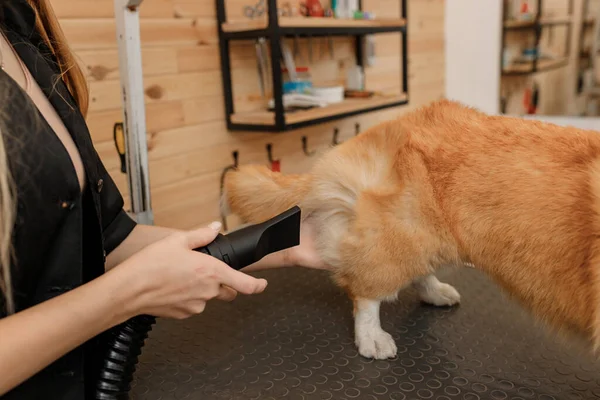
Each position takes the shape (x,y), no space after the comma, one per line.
(255,193)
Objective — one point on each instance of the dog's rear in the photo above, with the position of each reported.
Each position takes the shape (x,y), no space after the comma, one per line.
(353,197)
(446,184)
(329,194)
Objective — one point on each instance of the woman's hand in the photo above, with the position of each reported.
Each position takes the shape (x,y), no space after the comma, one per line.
(165,279)
(305,254)
(170,279)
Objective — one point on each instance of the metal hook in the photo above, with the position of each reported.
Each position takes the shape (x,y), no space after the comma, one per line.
(336,132)
(305,147)
(356,129)
(270,152)
(232,167)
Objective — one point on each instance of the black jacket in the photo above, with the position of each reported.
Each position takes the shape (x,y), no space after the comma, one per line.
(61,236)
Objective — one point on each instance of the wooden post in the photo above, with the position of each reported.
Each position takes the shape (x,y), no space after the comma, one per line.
(134,114)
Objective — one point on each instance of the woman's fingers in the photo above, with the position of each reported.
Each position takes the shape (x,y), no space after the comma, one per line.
(239,281)
(226,293)
(203,236)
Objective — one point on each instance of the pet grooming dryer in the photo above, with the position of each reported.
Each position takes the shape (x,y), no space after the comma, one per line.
(237,249)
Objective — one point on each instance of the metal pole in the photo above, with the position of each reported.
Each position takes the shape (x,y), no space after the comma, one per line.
(134,113)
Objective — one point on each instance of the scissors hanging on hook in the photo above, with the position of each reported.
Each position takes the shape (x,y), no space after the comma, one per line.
(255,11)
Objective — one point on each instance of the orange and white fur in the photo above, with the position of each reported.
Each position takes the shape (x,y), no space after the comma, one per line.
(448,185)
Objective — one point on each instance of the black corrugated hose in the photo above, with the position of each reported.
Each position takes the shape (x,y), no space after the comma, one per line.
(125,342)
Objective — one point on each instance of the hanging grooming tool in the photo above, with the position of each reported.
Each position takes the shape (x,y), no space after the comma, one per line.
(288,60)
(260,45)
(262,63)
(330,13)
(287,10)
(255,11)
(330,43)
(296,47)
(322,48)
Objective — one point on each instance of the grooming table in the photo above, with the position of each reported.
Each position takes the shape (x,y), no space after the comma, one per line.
(296,341)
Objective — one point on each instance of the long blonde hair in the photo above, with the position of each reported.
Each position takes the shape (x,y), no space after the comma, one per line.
(49,28)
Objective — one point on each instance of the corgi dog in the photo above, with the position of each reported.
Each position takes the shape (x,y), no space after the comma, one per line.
(442,185)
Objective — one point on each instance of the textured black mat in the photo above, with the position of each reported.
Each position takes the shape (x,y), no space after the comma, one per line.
(296,342)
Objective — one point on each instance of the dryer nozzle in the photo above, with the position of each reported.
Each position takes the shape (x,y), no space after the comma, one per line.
(246,246)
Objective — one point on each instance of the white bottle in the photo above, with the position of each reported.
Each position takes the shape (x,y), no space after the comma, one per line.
(355,78)
(341,8)
(352,8)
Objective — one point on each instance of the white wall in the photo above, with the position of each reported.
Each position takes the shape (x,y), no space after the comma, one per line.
(473,41)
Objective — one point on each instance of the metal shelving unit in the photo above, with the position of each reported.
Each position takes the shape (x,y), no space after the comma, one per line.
(587,56)
(537,25)
(274,28)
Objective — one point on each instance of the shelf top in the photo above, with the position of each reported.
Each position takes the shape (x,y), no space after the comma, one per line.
(542,65)
(333,111)
(301,24)
(516,24)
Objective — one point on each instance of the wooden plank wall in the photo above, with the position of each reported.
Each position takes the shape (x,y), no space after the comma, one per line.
(558,87)
(188,142)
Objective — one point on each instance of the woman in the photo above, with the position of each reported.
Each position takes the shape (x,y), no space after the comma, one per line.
(72,263)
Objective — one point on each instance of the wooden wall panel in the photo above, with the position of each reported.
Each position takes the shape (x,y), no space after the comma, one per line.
(188,142)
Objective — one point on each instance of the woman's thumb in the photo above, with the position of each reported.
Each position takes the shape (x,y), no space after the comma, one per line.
(203,236)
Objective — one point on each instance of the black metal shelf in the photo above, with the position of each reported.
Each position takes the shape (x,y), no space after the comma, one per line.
(244,30)
(537,25)
(585,56)
(265,120)
(273,29)
(541,66)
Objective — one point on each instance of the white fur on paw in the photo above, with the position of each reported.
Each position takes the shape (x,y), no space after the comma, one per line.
(441,294)
(376,344)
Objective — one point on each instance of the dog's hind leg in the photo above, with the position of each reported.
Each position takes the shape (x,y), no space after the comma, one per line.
(434,292)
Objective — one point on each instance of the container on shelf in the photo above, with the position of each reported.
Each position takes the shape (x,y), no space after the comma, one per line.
(355,78)
(302,84)
(509,55)
(330,94)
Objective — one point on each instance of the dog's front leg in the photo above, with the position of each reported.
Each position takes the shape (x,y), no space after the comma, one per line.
(372,341)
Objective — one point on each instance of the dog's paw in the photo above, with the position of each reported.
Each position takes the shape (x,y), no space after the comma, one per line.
(376,344)
(440,294)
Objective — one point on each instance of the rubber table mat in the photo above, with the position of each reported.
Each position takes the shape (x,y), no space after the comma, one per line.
(295,341)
